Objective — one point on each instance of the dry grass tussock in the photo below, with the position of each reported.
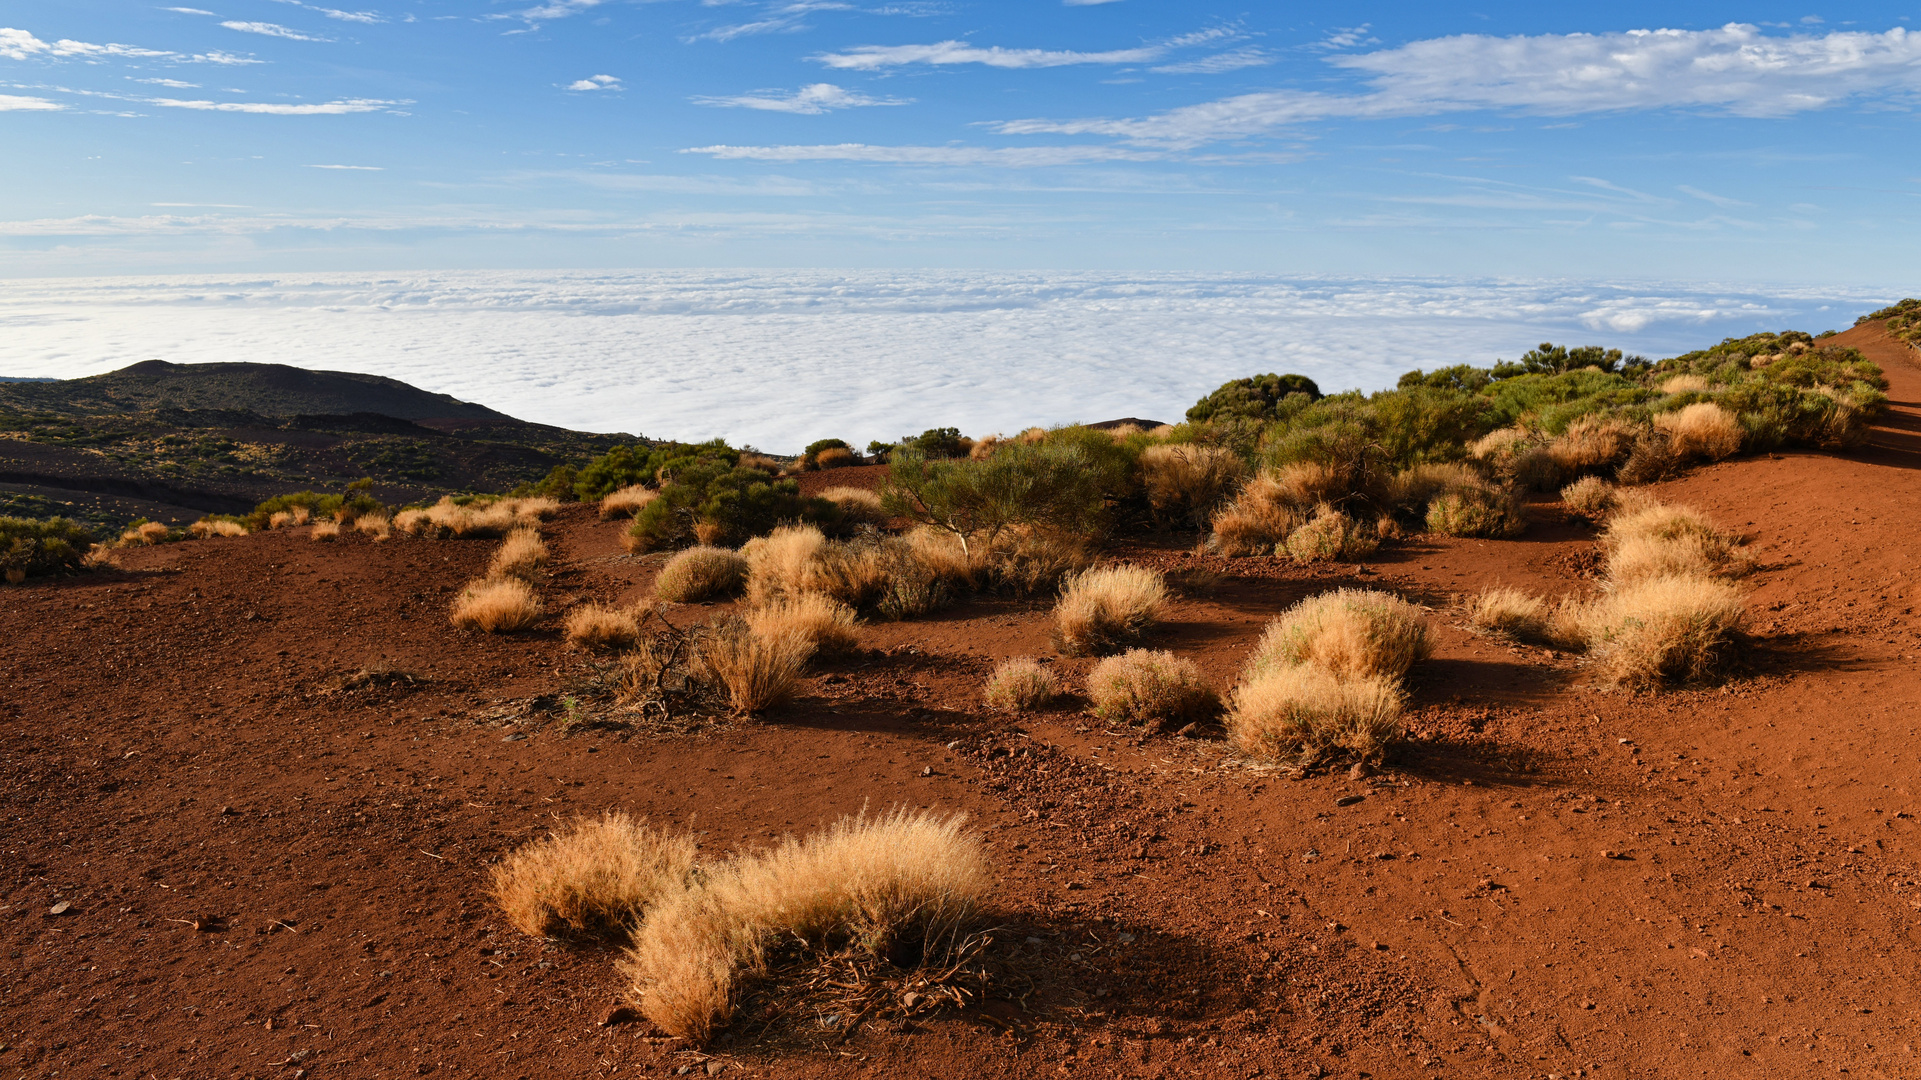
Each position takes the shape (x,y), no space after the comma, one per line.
(782,563)
(377,525)
(1479,509)
(497,605)
(1593,445)
(626,502)
(1520,616)
(888,885)
(593,876)
(1660,630)
(1190,482)
(1332,535)
(1105,608)
(207,530)
(1590,497)
(593,626)
(824,622)
(1020,685)
(1683,384)
(1354,633)
(1259,518)
(701,573)
(325,531)
(1410,490)
(152,532)
(1142,686)
(858,506)
(287,519)
(1635,536)
(1701,430)
(521,555)
(479,518)
(835,457)
(757,672)
(1501,445)
(1303,712)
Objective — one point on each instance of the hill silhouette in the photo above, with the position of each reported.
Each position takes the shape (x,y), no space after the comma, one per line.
(262,389)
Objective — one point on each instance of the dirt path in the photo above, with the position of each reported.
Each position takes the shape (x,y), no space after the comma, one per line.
(176,743)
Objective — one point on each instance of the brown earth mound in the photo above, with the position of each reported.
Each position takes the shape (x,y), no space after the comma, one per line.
(252,788)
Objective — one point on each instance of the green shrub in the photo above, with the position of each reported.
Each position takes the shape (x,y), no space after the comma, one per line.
(810,457)
(317,505)
(1903,320)
(32,547)
(1476,510)
(558,484)
(1054,486)
(624,466)
(1258,397)
(709,501)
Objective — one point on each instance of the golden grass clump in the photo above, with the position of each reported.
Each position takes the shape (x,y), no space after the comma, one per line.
(1259,518)
(593,626)
(521,555)
(1633,540)
(878,884)
(701,573)
(1481,509)
(1347,632)
(1305,712)
(1021,685)
(1103,609)
(413,522)
(757,672)
(147,533)
(826,623)
(593,876)
(209,528)
(1593,444)
(325,531)
(1189,482)
(1701,430)
(1590,497)
(496,606)
(1331,535)
(1511,613)
(287,519)
(1142,686)
(626,502)
(1501,445)
(834,457)
(1683,384)
(858,506)
(1410,490)
(377,525)
(781,563)
(1669,629)
(476,519)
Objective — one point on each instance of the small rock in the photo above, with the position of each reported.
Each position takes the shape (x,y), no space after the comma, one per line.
(513,736)
(910,999)
(60,908)
(1587,1005)
(1380,946)
(928,771)
(714,1068)
(1337,927)
(1361,770)
(619,1014)
(1035,941)
(299,1056)
(1612,854)
(1186,731)
(1349,800)
(228,811)
(1126,939)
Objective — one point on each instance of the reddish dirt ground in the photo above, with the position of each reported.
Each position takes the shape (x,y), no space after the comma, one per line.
(1549,881)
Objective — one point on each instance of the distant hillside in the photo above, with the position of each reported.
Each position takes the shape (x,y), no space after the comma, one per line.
(262,389)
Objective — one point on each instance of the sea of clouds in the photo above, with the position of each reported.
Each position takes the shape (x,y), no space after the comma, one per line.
(778,358)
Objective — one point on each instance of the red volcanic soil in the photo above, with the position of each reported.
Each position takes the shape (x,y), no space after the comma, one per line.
(270,872)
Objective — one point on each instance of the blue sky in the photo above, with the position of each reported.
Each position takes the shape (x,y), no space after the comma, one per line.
(1673,141)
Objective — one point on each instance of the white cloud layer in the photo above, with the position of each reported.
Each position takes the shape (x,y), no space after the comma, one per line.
(19,103)
(18,44)
(690,354)
(274,108)
(1017,157)
(1734,70)
(876,57)
(270,30)
(810,100)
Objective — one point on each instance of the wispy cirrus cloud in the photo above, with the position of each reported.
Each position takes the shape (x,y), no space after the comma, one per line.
(1232,60)
(1008,157)
(1735,70)
(350,168)
(16,44)
(20,103)
(270,30)
(276,108)
(780,19)
(171,84)
(808,100)
(877,57)
(187,11)
(368,17)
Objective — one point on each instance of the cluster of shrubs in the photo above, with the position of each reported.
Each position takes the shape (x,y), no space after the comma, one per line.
(696,929)
(1903,320)
(1668,610)
(31,547)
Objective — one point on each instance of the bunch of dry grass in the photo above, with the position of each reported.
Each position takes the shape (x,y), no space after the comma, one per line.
(145,534)
(1410,490)
(835,457)
(959,566)
(1331,535)
(701,573)
(208,528)
(593,876)
(1701,430)
(592,626)
(1504,444)
(1590,497)
(1305,712)
(1142,686)
(825,623)
(1479,509)
(1684,384)
(876,883)
(1103,609)
(1593,444)
(858,506)
(1346,632)
(413,522)
(1651,459)
(521,555)
(1667,629)
(287,519)
(1188,482)
(1519,616)
(1020,685)
(757,672)
(1259,518)
(1655,540)
(626,502)
(496,606)
(325,531)
(782,563)
(375,524)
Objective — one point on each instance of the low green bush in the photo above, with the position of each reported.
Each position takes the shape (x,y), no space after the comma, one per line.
(713,502)
(1258,397)
(32,547)
(624,466)
(1055,486)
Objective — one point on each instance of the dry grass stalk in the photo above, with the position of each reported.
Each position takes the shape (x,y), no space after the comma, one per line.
(942,554)
(1589,497)
(1188,482)
(826,624)
(1660,630)
(325,531)
(496,606)
(208,529)
(521,555)
(1143,686)
(1410,490)
(1701,430)
(594,876)
(758,672)
(701,573)
(1354,633)
(877,883)
(412,522)
(626,502)
(1302,712)
(592,626)
(1020,685)
(1331,535)
(1103,609)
